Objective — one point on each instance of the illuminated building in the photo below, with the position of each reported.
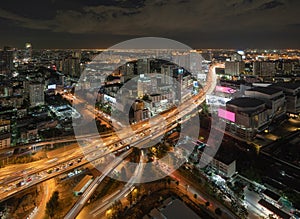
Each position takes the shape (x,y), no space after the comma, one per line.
(292,96)
(274,99)
(28,52)
(5,135)
(234,67)
(167,73)
(144,85)
(140,112)
(6,60)
(143,66)
(245,116)
(127,71)
(236,57)
(36,94)
(267,69)
(71,67)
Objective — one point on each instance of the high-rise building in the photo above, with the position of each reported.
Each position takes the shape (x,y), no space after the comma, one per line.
(236,57)
(143,66)
(288,67)
(6,60)
(28,51)
(36,94)
(144,85)
(5,135)
(274,99)
(167,73)
(140,112)
(127,71)
(71,67)
(234,67)
(264,68)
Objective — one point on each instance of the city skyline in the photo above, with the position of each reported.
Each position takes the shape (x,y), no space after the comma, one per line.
(199,24)
(150,109)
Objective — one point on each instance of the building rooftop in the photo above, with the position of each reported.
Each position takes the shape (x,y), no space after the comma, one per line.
(271,194)
(177,209)
(245,102)
(288,85)
(273,209)
(265,90)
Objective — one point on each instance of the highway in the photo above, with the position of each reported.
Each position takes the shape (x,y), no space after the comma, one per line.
(92,151)
(107,202)
(93,186)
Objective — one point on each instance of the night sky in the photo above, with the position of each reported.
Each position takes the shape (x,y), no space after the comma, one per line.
(236,24)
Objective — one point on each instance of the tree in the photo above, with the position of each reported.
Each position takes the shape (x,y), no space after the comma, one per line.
(130,198)
(168,181)
(116,209)
(218,211)
(52,204)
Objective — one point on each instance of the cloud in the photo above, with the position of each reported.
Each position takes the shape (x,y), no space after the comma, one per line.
(155,17)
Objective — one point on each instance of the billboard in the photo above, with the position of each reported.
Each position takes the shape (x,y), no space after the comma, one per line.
(216,100)
(227,90)
(195,84)
(226,115)
(201,76)
(52,87)
(110,99)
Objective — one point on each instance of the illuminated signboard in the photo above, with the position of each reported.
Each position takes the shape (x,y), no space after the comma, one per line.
(109,99)
(52,86)
(202,76)
(216,100)
(227,90)
(226,115)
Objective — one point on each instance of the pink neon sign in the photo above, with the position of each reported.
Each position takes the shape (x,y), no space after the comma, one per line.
(227,90)
(226,115)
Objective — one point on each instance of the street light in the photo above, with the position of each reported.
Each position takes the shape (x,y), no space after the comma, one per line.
(108,213)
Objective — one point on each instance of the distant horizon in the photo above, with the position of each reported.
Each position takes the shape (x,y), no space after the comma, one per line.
(91,48)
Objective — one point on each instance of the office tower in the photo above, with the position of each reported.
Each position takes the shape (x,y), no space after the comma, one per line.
(264,68)
(36,94)
(6,60)
(144,85)
(236,57)
(167,73)
(234,67)
(28,51)
(71,67)
(5,135)
(143,66)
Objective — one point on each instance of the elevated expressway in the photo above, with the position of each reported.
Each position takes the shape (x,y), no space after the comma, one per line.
(105,147)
